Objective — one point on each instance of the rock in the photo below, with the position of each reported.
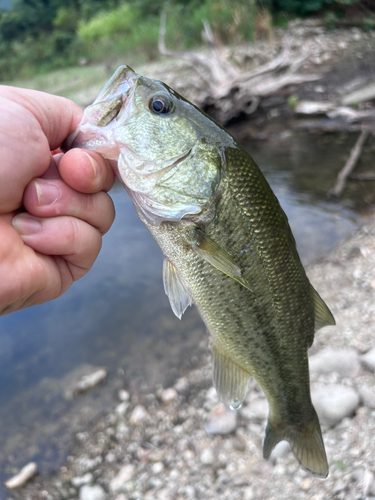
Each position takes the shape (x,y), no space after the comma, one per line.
(94,492)
(207,456)
(121,408)
(257,409)
(306,484)
(157,467)
(89,381)
(334,402)
(168,395)
(343,361)
(248,494)
(368,360)
(280,450)
(24,475)
(138,415)
(124,475)
(81,480)
(368,483)
(123,395)
(367,393)
(222,421)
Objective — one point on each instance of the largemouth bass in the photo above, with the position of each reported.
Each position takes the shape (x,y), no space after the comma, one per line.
(227,247)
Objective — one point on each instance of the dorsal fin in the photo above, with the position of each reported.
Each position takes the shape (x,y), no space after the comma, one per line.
(176,290)
(230,380)
(323,316)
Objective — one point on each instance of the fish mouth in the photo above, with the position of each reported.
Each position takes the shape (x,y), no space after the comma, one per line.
(94,130)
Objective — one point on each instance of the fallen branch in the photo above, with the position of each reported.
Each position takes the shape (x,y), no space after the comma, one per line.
(369,176)
(344,173)
(226,90)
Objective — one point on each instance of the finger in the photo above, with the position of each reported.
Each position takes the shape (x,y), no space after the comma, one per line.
(56,116)
(35,123)
(86,171)
(75,240)
(52,197)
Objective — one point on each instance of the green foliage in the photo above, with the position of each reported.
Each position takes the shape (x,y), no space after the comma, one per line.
(120,21)
(305,7)
(66,19)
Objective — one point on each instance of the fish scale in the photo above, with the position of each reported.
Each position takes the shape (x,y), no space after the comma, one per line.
(227,248)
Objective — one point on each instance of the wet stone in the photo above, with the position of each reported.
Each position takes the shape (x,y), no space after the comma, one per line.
(368,360)
(280,450)
(345,362)
(95,492)
(168,395)
(138,415)
(207,456)
(222,421)
(81,480)
(24,475)
(124,475)
(334,402)
(367,393)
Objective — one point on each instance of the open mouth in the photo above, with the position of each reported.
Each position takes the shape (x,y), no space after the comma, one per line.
(94,129)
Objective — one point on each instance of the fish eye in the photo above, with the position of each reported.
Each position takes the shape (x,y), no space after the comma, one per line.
(160,104)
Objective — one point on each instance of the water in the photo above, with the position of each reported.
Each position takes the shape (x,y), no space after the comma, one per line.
(119,317)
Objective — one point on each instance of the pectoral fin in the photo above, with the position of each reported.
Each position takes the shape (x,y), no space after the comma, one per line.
(178,293)
(230,380)
(210,251)
(323,315)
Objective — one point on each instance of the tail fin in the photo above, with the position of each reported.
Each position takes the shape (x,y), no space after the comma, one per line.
(305,441)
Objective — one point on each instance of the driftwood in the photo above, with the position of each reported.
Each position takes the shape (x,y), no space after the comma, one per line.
(366,176)
(226,90)
(344,173)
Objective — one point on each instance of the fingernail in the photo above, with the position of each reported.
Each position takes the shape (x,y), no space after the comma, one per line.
(95,165)
(26,224)
(46,193)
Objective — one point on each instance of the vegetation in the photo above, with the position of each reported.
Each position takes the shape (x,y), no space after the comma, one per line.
(40,35)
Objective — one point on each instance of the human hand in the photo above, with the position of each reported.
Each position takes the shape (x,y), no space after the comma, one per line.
(53,208)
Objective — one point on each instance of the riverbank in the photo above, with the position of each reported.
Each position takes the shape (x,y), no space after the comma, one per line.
(179,442)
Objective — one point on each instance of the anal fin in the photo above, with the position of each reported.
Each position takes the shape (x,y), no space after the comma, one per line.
(176,290)
(209,250)
(230,380)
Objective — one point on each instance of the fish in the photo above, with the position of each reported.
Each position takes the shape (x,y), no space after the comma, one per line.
(227,245)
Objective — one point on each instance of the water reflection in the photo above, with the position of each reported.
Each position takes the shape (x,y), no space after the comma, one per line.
(119,317)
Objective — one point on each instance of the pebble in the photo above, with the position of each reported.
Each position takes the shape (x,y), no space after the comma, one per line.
(138,415)
(207,456)
(248,494)
(81,480)
(334,402)
(157,467)
(280,450)
(90,381)
(306,484)
(121,408)
(367,393)
(24,475)
(345,362)
(168,395)
(123,395)
(256,410)
(124,475)
(222,421)
(368,360)
(95,492)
